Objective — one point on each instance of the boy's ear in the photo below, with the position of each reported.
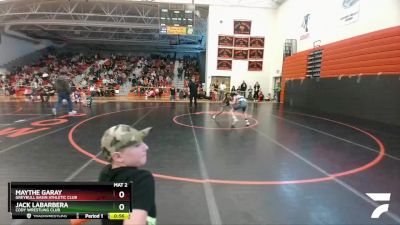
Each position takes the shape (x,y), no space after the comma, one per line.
(116,157)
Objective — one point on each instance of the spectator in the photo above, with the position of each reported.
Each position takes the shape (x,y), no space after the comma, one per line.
(92,90)
(83,83)
(250,93)
(256,90)
(34,88)
(181,93)
(221,93)
(216,86)
(46,92)
(172,93)
(76,96)
(260,96)
(180,73)
(277,91)
(268,97)
(106,73)
(243,88)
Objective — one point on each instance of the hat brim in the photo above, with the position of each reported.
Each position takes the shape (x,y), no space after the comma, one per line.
(145,132)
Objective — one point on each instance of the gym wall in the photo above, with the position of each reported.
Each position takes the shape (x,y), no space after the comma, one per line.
(359,77)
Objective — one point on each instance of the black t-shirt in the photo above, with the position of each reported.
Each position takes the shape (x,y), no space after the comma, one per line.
(172,91)
(193,88)
(243,87)
(215,87)
(143,196)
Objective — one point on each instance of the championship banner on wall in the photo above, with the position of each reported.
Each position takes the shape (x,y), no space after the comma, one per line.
(242,27)
(305,27)
(241,42)
(255,65)
(224,40)
(256,53)
(350,11)
(257,42)
(224,64)
(226,53)
(241,54)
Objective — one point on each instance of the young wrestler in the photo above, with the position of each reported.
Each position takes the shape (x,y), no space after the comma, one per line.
(239,102)
(225,105)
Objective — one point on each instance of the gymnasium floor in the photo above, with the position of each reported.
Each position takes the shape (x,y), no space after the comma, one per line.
(286,168)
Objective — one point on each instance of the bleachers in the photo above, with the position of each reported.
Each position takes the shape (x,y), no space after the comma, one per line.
(368,54)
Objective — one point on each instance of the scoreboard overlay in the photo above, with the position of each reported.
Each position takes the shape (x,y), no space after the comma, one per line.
(69,200)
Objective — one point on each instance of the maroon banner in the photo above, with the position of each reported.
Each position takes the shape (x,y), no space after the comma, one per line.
(226,53)
(241,54)
(257,42)
(224,65)
(242,27)
(255,65)
(224,40)
(242,42)
(256,53)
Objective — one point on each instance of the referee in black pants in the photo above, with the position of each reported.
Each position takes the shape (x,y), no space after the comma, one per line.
(193,92)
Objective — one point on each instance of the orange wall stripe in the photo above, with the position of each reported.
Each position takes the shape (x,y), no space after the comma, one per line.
(360,64)
(365,37)
(376,55)
(393,69)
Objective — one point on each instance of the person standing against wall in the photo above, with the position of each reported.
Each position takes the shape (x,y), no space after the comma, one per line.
(256,90)
(216,86)
(277,91)
(221,92)
(215,90)
(243,88)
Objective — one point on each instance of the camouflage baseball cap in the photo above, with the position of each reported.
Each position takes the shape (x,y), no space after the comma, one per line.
(121,136)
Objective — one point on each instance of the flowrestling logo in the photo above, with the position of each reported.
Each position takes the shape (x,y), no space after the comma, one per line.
(379,197)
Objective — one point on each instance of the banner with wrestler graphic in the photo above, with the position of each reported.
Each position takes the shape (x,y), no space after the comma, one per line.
(242,42)
(226,53)
(224,40)
(224,64)
(241,54)
(255,65)
(256,53)
(242,27)
(257,42)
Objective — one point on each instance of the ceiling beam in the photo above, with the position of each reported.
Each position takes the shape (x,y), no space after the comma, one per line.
(80,23)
